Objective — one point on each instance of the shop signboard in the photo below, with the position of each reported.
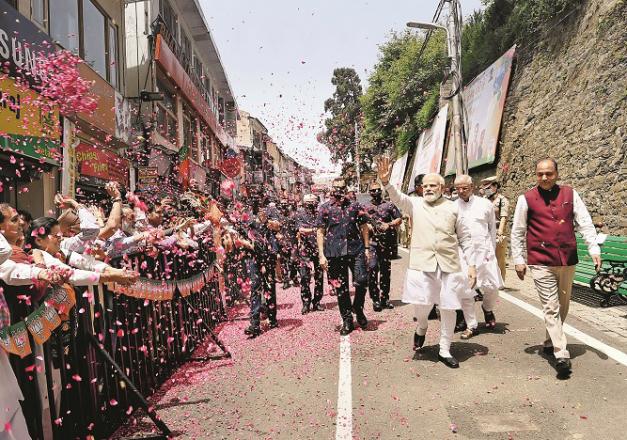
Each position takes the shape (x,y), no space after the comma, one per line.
(98,166)
(32,129)
(22,44)
(122,118)
(147,177)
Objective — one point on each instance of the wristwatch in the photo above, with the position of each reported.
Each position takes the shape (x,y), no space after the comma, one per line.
(117,199)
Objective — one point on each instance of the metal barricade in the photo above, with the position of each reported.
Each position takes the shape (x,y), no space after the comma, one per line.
(120,349)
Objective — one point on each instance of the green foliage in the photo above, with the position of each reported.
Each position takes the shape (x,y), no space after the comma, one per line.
(503,23)
(403,95)
(401,87)
(344,110)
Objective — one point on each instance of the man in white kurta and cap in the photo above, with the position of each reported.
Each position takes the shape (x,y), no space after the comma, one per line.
(434,275)
(478,214)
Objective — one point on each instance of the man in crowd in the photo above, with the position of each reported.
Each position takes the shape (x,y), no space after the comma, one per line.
(306,220)
(385,218)
(491,190)
(434,274)
(478,214)
(545,222)
(344,243)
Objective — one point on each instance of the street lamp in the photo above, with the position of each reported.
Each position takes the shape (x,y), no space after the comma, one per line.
(431,27)
(454,53)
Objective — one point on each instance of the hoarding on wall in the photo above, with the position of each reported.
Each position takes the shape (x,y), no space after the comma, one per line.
(429,148)
(484,101)
(398,171)
(98,166)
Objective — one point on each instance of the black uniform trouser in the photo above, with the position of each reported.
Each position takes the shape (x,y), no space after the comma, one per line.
(268,276)
(379,274)
(305,279)
(338,279)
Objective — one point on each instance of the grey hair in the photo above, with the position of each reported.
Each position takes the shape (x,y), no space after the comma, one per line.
(438,177)
(463,178)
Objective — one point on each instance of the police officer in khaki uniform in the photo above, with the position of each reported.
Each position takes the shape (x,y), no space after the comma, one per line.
(491,190)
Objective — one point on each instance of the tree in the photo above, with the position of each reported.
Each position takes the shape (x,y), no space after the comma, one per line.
(344,110)
(403,93)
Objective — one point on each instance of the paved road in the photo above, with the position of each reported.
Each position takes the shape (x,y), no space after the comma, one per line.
(284,384)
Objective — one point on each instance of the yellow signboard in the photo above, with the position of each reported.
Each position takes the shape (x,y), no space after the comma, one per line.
(21,113)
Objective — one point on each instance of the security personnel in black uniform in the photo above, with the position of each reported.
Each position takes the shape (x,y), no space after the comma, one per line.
(344,243)
(306,220)
(385,217)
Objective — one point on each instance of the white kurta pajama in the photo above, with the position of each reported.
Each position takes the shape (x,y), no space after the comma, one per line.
(434,273)
(478,214)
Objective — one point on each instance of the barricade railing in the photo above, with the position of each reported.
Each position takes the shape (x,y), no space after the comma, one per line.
(123,343)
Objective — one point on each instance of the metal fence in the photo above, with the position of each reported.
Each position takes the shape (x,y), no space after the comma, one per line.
(87,381)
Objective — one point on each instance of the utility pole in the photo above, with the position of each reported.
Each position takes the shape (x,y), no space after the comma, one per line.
(454,50)
(357,155)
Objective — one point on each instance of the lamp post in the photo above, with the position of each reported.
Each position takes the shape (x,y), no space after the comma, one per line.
(454,53)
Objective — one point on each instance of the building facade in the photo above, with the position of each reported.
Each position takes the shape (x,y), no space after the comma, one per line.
(179,88)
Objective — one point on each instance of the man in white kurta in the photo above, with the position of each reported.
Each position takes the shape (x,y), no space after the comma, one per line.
(478,214)
(434,274)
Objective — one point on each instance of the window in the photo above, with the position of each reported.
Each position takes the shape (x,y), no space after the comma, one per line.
(94,37)
(189,135)
(186,47)
(94,44)
(113,55)
(170,19)
(64,23)
(166,114)
(39,13)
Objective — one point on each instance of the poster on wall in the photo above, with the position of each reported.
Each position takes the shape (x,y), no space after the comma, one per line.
(398,171)
(429,148)
(484,101)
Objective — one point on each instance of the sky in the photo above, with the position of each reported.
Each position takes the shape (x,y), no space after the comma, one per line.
(279,56)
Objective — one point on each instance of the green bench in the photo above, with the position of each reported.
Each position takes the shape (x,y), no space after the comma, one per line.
(611,280)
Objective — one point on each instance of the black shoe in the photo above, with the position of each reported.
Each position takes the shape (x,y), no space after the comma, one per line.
(460,325)
(305,309)
(376,306)
(347,327)
(490,319)
(563,366)
(273,324)
(387,305)
(419,341)
(478,296)
(450,362)
(317,307)
(433,314)
(548,350)
(362,320)
(252,331)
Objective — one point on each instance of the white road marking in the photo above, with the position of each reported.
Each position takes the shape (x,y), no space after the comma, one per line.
(611,352)
(344,421)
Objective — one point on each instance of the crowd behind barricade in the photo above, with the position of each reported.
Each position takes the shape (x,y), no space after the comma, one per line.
(109,270)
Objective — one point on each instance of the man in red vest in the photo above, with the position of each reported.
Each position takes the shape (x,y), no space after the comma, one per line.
(545,222)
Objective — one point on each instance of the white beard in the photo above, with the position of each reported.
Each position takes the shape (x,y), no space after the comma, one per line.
(431,198)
